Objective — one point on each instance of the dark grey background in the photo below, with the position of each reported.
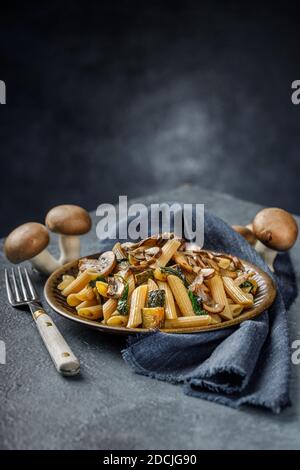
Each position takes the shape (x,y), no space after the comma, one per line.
(107,98)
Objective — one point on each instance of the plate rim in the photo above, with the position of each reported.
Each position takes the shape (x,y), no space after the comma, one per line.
(272,292)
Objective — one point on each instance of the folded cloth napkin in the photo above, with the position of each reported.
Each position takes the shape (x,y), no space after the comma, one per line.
(246,364)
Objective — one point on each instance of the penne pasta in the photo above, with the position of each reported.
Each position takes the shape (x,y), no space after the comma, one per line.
(120,255)
(181,296)
(79,283)
(152,285)
(167,251)
(117,320)
(66,281)
(180,259)
(215,318)
(218,294)
(138,301)
(236,309)
(91,313)
(170,308)
(73,300)
(87,303)
(236,293)
(188,322)
(86,293)
(108,308)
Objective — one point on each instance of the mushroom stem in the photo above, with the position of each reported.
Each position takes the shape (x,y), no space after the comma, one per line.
(44,262)
(267,254)
(69,246)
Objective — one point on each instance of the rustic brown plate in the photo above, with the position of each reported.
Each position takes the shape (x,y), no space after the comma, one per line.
(263,300)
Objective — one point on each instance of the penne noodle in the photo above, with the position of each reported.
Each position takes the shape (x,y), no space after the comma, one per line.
(131,284)
(218,294)
(170,308)
(117,320)
(215,318)
(236,293)
(180,259)
(138,301)
(87,303)
(79,283)
(73,300)
(190,277)
(121,257)
(108,308)
(86,293)
(181,296)
(91,313)
(167,251)
(188,322)
(66,281)
(152,285)
(236,309)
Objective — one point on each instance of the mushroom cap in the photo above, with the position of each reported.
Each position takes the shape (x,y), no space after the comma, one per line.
(68,219)
(25,242)
(246,233)
(275,228)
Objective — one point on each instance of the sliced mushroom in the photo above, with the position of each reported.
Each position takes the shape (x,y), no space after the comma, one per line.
(107,262)
(213,307)
(207,273)
(89,264)
(152,253)
(115,287)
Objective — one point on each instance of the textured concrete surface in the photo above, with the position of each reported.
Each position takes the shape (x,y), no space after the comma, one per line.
(173,92)
(108,406)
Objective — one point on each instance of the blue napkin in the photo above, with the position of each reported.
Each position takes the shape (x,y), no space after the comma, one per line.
(246,364)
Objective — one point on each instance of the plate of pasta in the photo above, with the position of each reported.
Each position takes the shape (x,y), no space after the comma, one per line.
(161,282)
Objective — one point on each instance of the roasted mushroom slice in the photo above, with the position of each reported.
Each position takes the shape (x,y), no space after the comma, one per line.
(212,307)
(107,262)
(115,287)
(89,264)
(207,273)
(152,253)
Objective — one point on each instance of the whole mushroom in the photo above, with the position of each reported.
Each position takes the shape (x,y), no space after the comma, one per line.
(276,230)
(273,230)
(69,221)
(29,242)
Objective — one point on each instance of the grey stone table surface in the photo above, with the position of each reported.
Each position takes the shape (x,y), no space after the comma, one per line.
(110,407)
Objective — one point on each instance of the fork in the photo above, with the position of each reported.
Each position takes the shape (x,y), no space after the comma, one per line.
(65,361)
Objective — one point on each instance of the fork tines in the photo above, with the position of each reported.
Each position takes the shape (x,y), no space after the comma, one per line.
(19,287)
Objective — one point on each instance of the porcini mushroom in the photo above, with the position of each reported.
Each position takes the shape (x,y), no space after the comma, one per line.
(29,242)
(69,221)
(276,230)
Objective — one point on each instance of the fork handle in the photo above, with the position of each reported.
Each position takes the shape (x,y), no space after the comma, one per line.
(65,361)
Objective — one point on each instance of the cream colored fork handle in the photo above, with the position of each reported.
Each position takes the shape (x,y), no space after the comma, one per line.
(65,361)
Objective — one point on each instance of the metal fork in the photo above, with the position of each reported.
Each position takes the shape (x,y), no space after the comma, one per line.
(20,293)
